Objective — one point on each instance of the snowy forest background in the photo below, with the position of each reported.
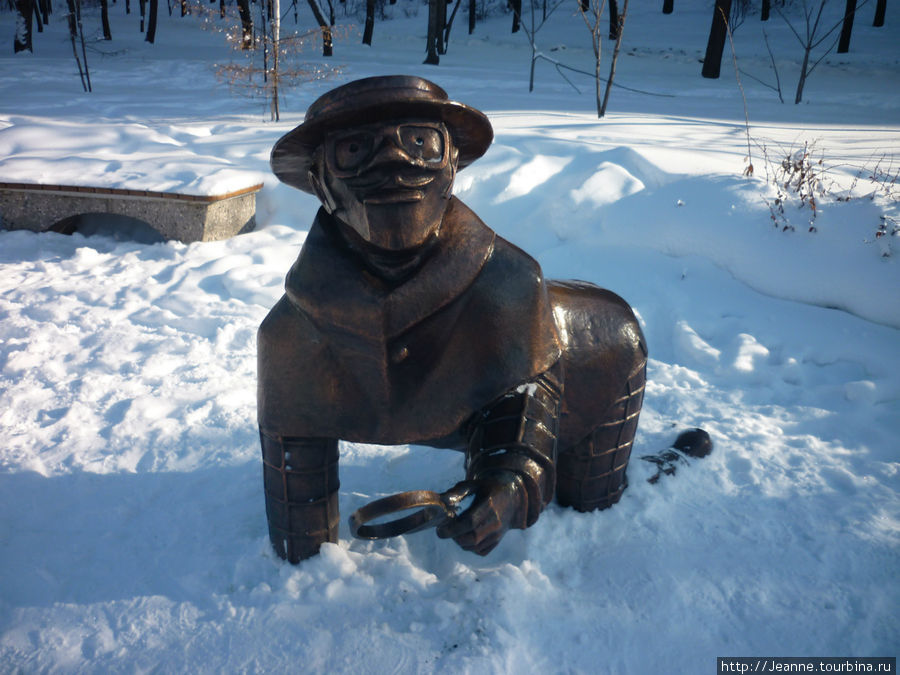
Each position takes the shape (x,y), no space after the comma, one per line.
(132,529)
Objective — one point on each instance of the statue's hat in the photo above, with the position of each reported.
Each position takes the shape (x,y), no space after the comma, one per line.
(374,99)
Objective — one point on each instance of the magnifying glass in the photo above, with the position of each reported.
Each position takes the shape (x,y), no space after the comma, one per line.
(432,509)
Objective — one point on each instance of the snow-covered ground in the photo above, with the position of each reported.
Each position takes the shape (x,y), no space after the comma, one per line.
(132,530)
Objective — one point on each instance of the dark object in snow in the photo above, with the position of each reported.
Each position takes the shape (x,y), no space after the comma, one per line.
(694,443)
(407,320)
(666,462)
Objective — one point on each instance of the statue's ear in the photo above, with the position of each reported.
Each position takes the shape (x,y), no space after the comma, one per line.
(319,188)
(454,164)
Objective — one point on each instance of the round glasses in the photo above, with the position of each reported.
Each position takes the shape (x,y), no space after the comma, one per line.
(426,144)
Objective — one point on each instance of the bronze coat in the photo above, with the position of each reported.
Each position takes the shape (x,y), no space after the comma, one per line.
(341,355)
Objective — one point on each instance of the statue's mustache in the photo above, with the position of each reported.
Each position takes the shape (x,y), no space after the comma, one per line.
(374,181)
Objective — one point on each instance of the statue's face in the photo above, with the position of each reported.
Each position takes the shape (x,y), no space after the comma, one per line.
(391,182)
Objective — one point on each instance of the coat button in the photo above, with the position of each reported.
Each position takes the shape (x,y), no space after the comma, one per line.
(399,354)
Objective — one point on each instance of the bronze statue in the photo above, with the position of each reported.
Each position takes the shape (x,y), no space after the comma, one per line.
(405,319)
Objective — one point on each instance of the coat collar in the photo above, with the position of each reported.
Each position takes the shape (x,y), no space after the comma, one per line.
(330,284)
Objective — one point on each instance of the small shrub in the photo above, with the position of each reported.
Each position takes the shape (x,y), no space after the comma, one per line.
(803,181)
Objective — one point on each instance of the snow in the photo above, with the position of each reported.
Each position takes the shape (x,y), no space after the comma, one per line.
(132,522)
(121,154)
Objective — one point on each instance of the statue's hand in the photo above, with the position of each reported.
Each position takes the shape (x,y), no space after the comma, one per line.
(500,503)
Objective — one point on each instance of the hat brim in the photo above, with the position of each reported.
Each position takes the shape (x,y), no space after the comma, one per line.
(292,155)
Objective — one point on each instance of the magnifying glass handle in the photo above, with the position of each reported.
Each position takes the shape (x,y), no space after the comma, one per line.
(433,510)
(455,496)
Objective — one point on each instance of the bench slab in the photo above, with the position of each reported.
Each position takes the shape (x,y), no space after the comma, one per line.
(187,218)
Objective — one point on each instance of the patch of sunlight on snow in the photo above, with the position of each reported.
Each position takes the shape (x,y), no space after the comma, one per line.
(608,184)
(530,175)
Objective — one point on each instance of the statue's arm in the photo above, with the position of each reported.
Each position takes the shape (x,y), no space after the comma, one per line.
(512,459)
(300,476)
(300,470)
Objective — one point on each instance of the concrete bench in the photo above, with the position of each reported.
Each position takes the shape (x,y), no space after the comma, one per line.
(187,218)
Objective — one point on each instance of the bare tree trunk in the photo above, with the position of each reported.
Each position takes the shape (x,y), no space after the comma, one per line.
(516,6)
(804,71)
(847,28)
(668,6)
(44,7)
(441,25)
(592,19)
(614,19)
(87,71)
(104,19)
(24,12)
(880,8)
(370,22)
(38,21)
(266,42)
(76,30)
(718,31)
(73,25)
(472,10)
(433,36)
(766,9)
(276,48)
(448,26)
(143,9)
(620,28)
(811,41)
(327,48)
(246,24)
(151,21)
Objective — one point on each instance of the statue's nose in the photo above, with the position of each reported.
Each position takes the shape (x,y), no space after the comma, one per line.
(390,152)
